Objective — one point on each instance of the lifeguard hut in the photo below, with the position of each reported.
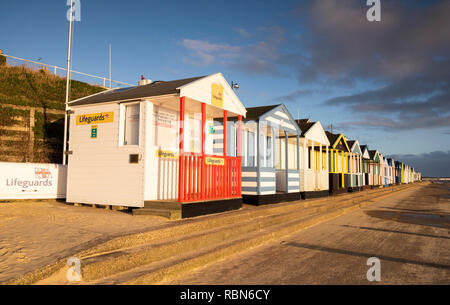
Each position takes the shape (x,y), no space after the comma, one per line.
(171,148)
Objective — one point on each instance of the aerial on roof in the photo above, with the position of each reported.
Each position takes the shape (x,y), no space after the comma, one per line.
(136,92)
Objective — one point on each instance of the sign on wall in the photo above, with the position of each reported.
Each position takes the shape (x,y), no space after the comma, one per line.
(32,180)
(95,118)
(94,129)
(217,95)
(214,161)
(166,154)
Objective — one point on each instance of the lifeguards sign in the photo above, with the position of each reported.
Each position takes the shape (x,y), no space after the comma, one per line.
(214,161)
(217,95)
(96,118)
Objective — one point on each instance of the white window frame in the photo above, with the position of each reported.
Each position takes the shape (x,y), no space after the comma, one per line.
(122,107)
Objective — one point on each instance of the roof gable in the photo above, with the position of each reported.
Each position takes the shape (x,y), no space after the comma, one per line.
(281,117)
(254,113)
(313,131)
(374,155)
(365,151)
(201,90)
(355,148)
(337,141)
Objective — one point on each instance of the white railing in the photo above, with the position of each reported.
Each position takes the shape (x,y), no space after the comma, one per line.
(55,69)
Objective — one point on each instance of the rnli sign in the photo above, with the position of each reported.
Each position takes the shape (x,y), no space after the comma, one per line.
(217,95)
(95,118)
(32,180)
(215,161)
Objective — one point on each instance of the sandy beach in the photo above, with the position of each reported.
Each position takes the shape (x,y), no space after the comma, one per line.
(35,233)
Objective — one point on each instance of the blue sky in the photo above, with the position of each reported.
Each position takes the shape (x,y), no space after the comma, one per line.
(322,59)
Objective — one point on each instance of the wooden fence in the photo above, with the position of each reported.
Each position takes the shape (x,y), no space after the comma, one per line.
(26,139)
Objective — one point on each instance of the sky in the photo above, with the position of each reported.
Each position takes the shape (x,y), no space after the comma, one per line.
(386,83)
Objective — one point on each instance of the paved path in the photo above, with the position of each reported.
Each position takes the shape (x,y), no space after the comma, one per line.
(408,232)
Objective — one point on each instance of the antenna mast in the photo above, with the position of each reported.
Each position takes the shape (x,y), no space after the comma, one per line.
(110,85)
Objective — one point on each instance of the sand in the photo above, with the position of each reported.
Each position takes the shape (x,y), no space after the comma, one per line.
(36,233)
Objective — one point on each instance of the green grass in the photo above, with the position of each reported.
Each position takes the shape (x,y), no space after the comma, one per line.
(26,87)
(22,86)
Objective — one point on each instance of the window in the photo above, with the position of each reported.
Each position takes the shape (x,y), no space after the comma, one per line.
(165,128)
(251,154)
(131,124)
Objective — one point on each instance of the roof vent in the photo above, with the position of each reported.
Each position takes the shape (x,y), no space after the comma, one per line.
(144,81)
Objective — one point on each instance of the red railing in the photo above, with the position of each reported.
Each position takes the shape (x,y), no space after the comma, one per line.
(200,180)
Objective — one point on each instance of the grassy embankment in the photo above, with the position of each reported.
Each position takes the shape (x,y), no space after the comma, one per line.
(21,88)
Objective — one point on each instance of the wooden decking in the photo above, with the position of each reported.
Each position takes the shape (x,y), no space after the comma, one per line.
(173,209)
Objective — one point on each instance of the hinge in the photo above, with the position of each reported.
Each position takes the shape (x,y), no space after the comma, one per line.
(70,112)
(69,152)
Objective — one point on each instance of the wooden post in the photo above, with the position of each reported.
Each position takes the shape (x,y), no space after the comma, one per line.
(239,166)
(286,161)
(31,136)
(180,152)
(225,119)
(203,166)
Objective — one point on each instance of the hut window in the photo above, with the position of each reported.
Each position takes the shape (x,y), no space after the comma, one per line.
(131,124)
(166,128)
(292,151)
(280,156)
(251,149)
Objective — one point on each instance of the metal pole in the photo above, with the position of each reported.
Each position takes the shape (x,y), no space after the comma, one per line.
(110,66)
(67,85)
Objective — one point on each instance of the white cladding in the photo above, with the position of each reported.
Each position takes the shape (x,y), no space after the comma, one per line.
(99,169)
(312,180)
(200,90)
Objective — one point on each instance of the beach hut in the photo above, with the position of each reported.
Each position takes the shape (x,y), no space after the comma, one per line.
(338,163)
(270,150)
(402,172)
(159,145)
(386,174)
(365,167)
(355,168)
(314,145)
(374,168)
(391,171)
(398,172)
(407,174)
(382,170)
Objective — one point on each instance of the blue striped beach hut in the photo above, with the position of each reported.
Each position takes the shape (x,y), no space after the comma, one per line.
(270,156)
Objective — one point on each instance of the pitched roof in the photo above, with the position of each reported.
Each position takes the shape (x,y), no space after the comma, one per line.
(254,113)
(372,153)
(350,143)
(304,125)
(152,89)
(332,137)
